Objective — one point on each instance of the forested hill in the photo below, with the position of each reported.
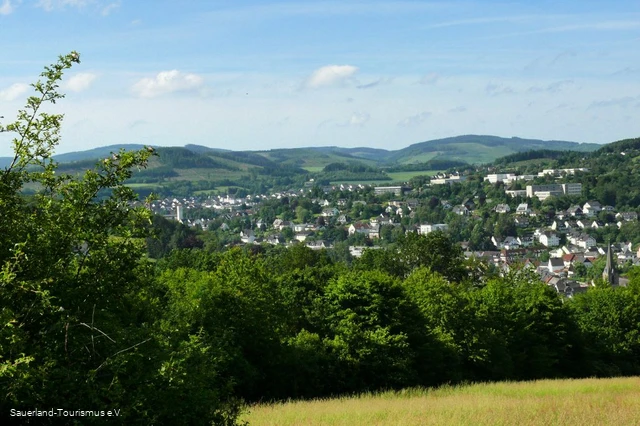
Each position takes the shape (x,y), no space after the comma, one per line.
(613,175)
(472,149)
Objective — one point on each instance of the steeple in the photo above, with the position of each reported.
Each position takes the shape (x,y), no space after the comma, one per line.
(609,274)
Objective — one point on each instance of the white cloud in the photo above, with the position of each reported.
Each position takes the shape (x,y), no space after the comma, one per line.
(104,7)
(358,119)
(167,82)
(13,92)
(414,120)
(331,75)
(80,82)
(106,10)
(6,8)
(49,5)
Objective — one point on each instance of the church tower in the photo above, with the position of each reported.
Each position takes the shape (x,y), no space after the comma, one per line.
(609,274)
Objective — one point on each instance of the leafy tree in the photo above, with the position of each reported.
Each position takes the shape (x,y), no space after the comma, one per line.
(609,318)
(372,329)
(435,251)
(77,299)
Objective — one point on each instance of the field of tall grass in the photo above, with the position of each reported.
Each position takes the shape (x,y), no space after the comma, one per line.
(545,402)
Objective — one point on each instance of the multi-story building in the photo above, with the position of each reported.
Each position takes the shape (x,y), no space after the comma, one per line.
(556,189)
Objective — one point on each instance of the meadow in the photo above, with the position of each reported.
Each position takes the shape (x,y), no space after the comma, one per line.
(544,402)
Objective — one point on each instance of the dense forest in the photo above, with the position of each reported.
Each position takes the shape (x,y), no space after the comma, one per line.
(90,321)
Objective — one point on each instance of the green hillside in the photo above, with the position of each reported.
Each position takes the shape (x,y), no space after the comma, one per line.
(479,149)
(194,168)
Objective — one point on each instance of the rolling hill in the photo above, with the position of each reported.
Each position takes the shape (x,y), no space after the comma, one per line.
(471,149)
(195,168)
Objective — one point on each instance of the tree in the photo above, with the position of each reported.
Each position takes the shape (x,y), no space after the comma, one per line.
(373,330)
(435,251)
(77,303)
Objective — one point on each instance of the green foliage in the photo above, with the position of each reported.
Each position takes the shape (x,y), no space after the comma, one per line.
(78,303)
(370,331)
(609,318)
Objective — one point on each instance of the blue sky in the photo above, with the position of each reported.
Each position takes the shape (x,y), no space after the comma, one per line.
(261,74)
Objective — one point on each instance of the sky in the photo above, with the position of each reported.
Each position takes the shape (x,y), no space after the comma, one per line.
(253,75)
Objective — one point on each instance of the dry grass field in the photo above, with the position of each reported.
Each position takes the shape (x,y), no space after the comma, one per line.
(546,402)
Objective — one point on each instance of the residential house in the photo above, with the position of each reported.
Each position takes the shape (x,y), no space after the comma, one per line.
(555,265)
(570,225)
(582,223)
(549,239)
(282,224)
(319,245)
(502,208)
(575,211)
(412,204)
(461,210)
(247,236)
(559,252)
(521,222)
(510,243)
(302,236)
(582,240)
(427,228)
(356,251)
(371,231)
(591,208)
(497,242)
(627,255)
(275,240)
(627,216)
(330,212)
(523,209)
(299,227)
(525,241)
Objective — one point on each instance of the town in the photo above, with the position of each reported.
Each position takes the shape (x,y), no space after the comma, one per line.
(518,227)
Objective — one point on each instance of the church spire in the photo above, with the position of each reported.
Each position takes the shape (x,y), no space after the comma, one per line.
(609,273)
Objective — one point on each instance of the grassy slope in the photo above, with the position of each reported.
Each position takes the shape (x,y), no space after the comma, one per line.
(478,148)
(312,158)
(546,402)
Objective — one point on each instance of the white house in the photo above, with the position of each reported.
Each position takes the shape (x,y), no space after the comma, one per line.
(591,208)
(461,210)
(330,212)
(582,240)
(525,241)
(427,228)
(502,208)
(549,239)
(247,236)
(523,209)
